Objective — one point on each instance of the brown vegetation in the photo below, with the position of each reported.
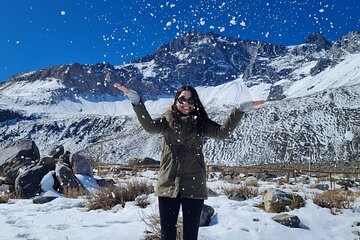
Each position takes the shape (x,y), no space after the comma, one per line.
(4,198)
(73,192)
(108,198)
(337,198)
(243,190)
(152,221)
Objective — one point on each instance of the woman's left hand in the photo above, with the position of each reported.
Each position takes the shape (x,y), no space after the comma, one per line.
(247,106)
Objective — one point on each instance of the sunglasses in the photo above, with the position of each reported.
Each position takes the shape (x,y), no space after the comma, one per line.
(183,100)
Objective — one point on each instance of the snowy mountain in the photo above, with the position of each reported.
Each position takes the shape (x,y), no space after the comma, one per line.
(312,91)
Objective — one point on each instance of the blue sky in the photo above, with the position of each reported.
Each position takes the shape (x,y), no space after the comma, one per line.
(43,33)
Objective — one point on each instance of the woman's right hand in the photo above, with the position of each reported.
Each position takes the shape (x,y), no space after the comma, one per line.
(131,94)
(122,88)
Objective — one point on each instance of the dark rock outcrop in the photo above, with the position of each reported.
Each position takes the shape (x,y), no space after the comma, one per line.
(27,184)
(67,179)
(319,40)
(57,151)
(16,156)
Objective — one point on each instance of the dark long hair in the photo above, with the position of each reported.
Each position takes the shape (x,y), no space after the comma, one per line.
(199,110)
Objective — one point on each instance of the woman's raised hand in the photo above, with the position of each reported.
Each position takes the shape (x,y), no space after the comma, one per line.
(258,102)
(247,106)
(131,94)
(122,88)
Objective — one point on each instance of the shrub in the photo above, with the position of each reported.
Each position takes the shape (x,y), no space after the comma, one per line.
(110,197)
(152,221)
(297,201)
(73,192)
(337,198)
(4,198)
(142,201)
(244,191)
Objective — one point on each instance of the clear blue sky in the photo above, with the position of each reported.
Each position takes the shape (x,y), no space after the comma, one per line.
(39,33)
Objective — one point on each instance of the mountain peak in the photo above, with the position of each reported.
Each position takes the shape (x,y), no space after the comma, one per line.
(319,40)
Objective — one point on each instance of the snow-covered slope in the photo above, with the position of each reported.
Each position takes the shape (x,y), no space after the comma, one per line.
(306,117)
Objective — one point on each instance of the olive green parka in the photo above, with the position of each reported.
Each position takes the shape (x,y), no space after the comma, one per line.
(182,167)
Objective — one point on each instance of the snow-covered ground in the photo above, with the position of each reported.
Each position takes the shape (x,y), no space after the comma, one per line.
(65,218)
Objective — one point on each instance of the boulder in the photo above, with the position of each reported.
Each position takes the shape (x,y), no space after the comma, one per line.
(105,182)
(80,165)
(206,214)
(6,188)
(43,199)
(65,158)
(66,178)
(251,181)
(57,151)
(211,193)
(323,187)
(48,162)
(287,220)
(16,156)
(144,161)
(278,201)
(237,196)
(27,184)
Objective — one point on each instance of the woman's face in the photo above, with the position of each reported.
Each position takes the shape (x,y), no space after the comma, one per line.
(185,103)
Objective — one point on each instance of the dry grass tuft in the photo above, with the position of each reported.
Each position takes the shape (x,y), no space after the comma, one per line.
(142,201)
(338,199)
(4,198)
(73,192)
(152,221)
(112,196)
(297,202)
(244,191)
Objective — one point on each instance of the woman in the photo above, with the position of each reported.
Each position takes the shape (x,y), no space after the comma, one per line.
(182,175)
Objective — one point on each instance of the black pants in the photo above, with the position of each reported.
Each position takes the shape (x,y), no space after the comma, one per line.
(169,211)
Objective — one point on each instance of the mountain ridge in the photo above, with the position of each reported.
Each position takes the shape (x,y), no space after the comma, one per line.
(312,92)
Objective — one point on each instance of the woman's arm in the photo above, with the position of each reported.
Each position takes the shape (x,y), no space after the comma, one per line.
(150,125)
(213,130)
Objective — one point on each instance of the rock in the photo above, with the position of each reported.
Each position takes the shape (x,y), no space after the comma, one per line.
(105,182)
(144,161)
(65,158)
(142,201)
(57,151)
(251,181)
(227,177)
(7,115)
(356,224)
(48,162)
(277,201)
(27,184)
(6,188)
(323,187)
(206,214)
(237,196)
(66,178)
(287,220)
(43,199)
(80,165)
(320,66)
(16,156)
(211,193)
(347,183)
(318,39)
